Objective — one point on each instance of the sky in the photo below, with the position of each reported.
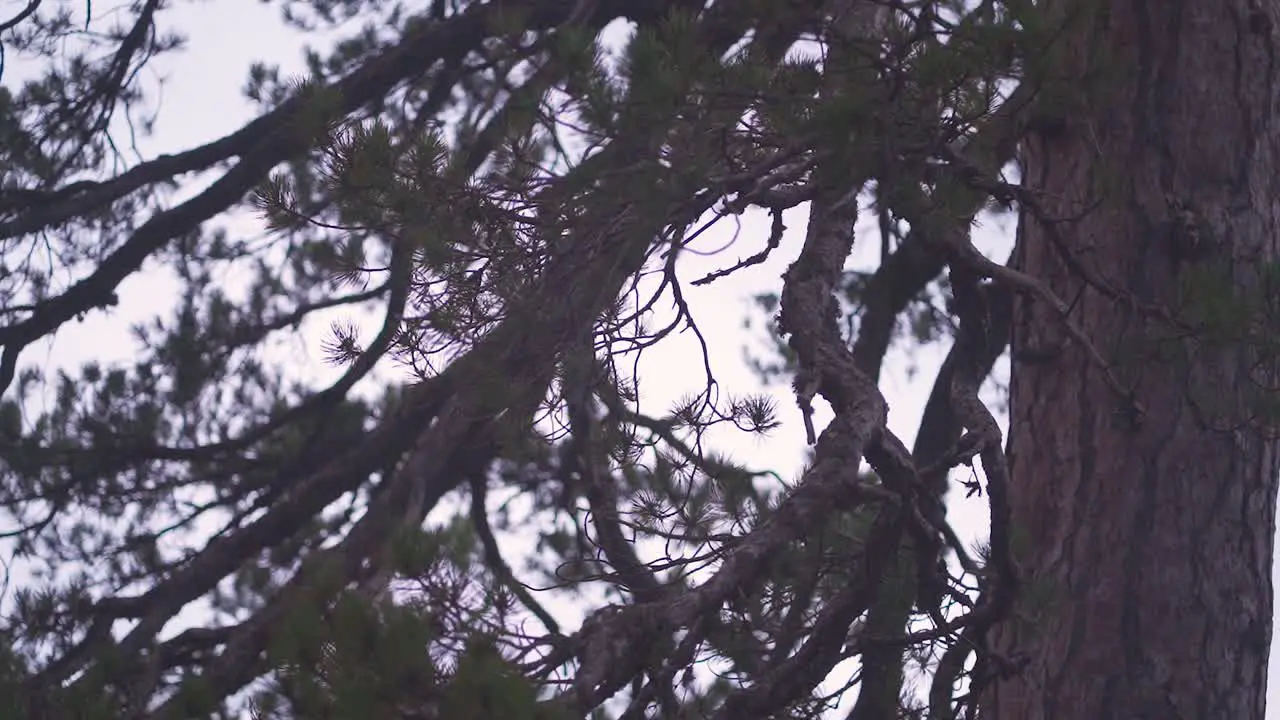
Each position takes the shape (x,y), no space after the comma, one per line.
(202,99)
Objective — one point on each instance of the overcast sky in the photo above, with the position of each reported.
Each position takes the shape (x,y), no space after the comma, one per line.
(202,99)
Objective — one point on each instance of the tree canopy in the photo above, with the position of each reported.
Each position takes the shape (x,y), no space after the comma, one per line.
(510,190)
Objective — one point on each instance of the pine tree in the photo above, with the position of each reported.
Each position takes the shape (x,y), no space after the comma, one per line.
(511,195)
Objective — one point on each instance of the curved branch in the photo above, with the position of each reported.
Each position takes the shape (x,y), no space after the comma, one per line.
(824,647)
(610,642)
(493,557)
(940,427)
(111,449)
(998,586)
(588,459)
(261,145)
(914,265)
(23,14)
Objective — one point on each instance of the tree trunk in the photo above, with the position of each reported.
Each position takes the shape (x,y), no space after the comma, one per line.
(1144,529)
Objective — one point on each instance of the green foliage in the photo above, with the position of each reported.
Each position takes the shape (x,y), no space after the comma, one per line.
(485,685)
(454,200)
(355,660)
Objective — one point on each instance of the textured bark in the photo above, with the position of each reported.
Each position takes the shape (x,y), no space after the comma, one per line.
(1145,546)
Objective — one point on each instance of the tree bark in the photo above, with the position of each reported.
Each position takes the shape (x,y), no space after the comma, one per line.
(1144,536)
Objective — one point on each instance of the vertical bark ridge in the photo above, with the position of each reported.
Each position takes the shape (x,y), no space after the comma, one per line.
(1146,541)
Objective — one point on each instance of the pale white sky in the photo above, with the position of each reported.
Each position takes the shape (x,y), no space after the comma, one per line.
(202,100)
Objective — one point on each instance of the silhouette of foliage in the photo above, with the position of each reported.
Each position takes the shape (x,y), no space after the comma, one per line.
(485,207)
